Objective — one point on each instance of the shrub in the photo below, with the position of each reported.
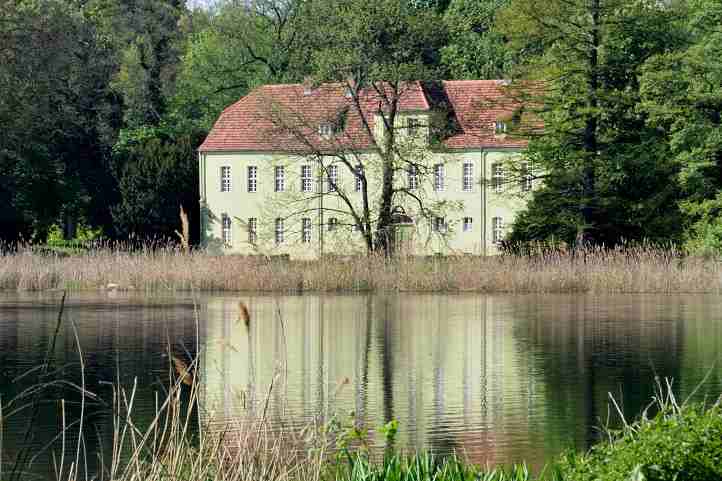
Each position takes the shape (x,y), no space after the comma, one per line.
(680,444)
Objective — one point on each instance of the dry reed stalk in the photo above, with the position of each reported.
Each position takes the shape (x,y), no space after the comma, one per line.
(184,234)
(244,315)
(185,375)
(167,268)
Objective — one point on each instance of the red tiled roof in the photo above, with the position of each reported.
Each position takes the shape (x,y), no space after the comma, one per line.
(285,118)
(477,105)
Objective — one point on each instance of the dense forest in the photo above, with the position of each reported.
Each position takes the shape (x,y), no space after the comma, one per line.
(103,102)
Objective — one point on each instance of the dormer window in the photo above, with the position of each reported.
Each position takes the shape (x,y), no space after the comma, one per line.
(500,127)
(325,129)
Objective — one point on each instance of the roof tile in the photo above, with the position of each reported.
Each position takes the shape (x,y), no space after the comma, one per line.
(285,118)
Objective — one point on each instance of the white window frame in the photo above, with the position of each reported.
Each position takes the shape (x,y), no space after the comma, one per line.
(279,231)
(499,127)
(332,177)
(332,224)
(252,184)
(306,178)
(325,130)
(439,177)
(226,179)
(306,230)
(358,174)
(279,184)
(468,224)
(252,230)
(497,230)
(439,225)
(226,230)
(467,177)
(412,179)
(498,176)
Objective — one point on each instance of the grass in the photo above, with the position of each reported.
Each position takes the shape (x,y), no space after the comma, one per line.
(642,269)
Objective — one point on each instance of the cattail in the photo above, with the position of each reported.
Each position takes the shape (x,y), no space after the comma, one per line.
(184,235)
(244,315)
(183,371)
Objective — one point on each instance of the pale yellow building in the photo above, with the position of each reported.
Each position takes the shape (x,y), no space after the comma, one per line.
(278,171)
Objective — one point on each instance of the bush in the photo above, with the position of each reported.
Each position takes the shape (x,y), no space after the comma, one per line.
(680,444)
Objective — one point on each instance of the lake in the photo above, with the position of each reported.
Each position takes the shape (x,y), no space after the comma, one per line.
(497,379)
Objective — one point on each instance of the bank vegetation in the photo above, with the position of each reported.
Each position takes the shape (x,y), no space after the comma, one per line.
(641,269)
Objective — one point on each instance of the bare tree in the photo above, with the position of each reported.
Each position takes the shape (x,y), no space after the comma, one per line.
(355,117)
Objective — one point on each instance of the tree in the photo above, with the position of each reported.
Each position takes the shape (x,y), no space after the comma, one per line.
(146,38)
(156,173)
(241,47)
(373,54)
(476,49)
(595,147)
(682,95)
(55,109)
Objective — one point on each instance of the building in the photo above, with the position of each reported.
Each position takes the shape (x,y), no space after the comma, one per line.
(286,169)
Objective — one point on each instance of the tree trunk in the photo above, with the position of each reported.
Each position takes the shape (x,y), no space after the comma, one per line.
(387,188)
(590,144)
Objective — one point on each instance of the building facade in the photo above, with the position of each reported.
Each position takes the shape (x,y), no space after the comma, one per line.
(291,169)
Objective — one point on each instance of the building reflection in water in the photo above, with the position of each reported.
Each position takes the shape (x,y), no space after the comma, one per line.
(495,378)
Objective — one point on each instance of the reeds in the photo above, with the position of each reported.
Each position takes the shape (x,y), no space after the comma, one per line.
(640,269)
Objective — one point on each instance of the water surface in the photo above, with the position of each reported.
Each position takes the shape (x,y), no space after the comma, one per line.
(498,379)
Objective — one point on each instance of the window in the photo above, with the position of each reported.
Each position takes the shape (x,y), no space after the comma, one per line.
(439,177)
(226,229)
(412,126)
(359,177)
(468,224)
(280,182)
(305,230)
(497,229)
(525,183)
(500,127)
(413,177)
(332,223)
(325,129)
(252,178)
(225,178)
(252,230)
(439,225)
(497,176)
(306,179)
(279,231)
(332,177)
(468,177)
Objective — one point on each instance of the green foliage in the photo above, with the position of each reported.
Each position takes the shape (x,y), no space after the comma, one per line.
(376,41)
(54,106)
(84,234)
(704,236)
(422,467)
(157,173)
(476,49)
(608,173)
(682,95)
(677,444)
